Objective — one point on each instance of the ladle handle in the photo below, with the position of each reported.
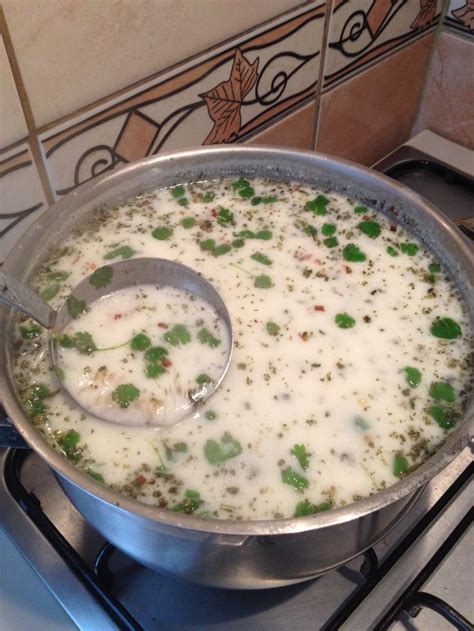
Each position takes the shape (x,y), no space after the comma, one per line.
(24,299)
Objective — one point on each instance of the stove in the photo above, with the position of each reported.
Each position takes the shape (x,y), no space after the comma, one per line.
(418,577)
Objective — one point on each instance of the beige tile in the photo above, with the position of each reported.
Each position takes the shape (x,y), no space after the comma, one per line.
(448,103)
(21,194)
(12,122)
(295,130)
(225,95)
(369,115)
(72,53)
(361,32)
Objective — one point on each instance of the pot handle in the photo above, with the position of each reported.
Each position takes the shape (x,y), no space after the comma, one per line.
(9,437)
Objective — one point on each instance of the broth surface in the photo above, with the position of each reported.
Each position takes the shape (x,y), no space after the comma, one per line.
(351,360)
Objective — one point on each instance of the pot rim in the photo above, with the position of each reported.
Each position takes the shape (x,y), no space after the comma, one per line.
(449,449)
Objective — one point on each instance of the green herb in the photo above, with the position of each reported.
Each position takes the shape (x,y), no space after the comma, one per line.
(162,233)
(41,391)
(300,453)
(446,329)
(203,379)
(30,332)
(240,183)
(263,282)
(183,202)
(291,477)
(370,228)
(400,466)
(206,337)
(353,254)
(412,376)
(238,243)
(95,475)
(75,307)
(83,343)
(210,415)
(272,328)
(264,235)
(123,252)
(444,417)
(57,276)
(361,424)
(361,210)
(34,407)
(392,251)
(207,197)
(217,452)
(434,268)
(328,229)
(221,249)
(154,370)
(156,354)
(331,242)
(442,391)
(50,292)
(69,444)
(311,231)
(192,501)
(344,321)
(207,245)
(124,394)
(65,341)
(271,199)
(318,205)
(246,234)
(178,335)
(140,342)
(101,277)
(261,258)
(305,508)
(225,217)
(188,222)
(247,192)
(256,201)
(410,249)
(177,191)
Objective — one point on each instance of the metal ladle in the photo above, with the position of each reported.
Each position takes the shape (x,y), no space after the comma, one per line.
(124,274)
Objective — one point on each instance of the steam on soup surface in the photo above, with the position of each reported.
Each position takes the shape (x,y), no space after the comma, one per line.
(350,364)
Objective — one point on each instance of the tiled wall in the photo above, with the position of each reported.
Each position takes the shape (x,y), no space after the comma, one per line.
(448,103)
(89,86)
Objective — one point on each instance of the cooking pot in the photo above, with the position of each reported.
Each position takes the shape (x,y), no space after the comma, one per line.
(237,554)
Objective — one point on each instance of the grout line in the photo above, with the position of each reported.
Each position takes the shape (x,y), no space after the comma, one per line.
(317,109)
(26,107)
(436,36)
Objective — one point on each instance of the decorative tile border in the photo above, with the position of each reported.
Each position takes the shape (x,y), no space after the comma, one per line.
(223,96)
(21,194)
(361,32)
(460,16)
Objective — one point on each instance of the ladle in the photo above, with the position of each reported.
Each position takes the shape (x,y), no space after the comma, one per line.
(124,274)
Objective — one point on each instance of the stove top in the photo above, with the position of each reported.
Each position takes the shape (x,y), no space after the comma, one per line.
(417,578)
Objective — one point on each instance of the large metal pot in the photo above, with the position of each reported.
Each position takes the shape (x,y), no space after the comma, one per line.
(235,554)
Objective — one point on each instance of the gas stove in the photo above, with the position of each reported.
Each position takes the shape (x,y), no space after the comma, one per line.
(418,577)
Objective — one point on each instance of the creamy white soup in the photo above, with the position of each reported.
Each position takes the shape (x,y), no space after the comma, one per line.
(143,355)
(351,359)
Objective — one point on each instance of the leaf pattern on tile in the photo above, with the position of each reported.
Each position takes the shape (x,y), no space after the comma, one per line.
(465,14)
(225,100)
(426,15)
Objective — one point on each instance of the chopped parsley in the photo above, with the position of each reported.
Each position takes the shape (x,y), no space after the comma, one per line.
(410,249)
(305,508)
(412,376)
(400,466)
(225,217)
(162,233)
(300,453)
(446,329)
(101,277)
(392,251)
(75,307)
(123,252)
(318,205)
(353,253)
(178,335)
(272,328)
(263,282)
(344,321)
(124,394)
(206,337)
(328,229)
(442,391)
(156,354)
(31,331)
(261,258)
(219,451)
(370,228)
(291,477)
(140,342)
(188,222)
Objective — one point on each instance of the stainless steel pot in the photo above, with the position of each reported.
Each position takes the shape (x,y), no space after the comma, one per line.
(257,554)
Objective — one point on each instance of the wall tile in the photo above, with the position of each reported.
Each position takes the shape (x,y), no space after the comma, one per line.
(12,122)
(448,106)
(21,193)
(363,31)
(222,96)
(460,16)
(368,116)
(295,130)
(72,53)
